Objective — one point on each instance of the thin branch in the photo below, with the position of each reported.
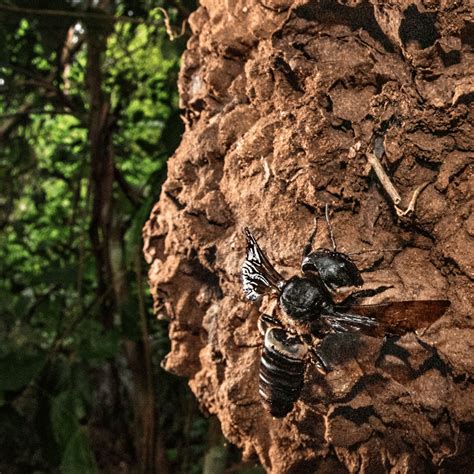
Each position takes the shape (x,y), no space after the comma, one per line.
(36,304)
(390,188)
(68,53)
(36,112)
(383,177)
(171,34)
(150,421)
(411,205)
(12,122)
(76,14)
(132,194)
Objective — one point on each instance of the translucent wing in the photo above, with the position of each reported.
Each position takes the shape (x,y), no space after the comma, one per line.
(396,317)
(340,320)
(257,274)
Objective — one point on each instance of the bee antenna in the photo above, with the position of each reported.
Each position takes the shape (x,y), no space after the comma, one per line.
(331,234)
(309,244)
(373,251)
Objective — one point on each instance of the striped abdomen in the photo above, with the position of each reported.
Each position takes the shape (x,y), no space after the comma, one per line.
(282,369)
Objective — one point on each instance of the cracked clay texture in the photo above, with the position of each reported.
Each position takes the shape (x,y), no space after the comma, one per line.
(282,100)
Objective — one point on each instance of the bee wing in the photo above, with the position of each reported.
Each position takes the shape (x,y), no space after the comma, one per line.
(396,317)
(342,321)
(258,275)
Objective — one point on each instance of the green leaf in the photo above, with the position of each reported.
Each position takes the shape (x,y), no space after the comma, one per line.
(61,276)
(172,454)
(78,456)
(17,370)
(96,344)
(63,418)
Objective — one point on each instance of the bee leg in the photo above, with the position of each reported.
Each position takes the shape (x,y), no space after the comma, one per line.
(265,322)
(322,365)
(433,351)
(364,294)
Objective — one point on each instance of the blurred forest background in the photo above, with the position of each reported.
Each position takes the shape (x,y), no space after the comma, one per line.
(88,117)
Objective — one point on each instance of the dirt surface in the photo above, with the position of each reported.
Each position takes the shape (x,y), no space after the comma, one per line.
(282,100)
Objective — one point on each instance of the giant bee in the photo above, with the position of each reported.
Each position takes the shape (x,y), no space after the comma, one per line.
(309,311)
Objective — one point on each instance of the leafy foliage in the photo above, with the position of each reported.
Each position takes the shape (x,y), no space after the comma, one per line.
(71,364)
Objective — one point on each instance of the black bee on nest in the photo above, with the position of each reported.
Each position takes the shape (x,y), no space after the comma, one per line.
(309,312)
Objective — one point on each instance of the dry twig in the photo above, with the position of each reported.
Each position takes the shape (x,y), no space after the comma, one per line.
(171,34)
(391,189)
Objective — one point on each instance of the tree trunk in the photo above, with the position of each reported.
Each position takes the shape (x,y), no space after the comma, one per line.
(107,237)
(283,101)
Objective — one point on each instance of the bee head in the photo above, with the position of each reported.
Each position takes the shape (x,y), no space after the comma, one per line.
(335,269)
